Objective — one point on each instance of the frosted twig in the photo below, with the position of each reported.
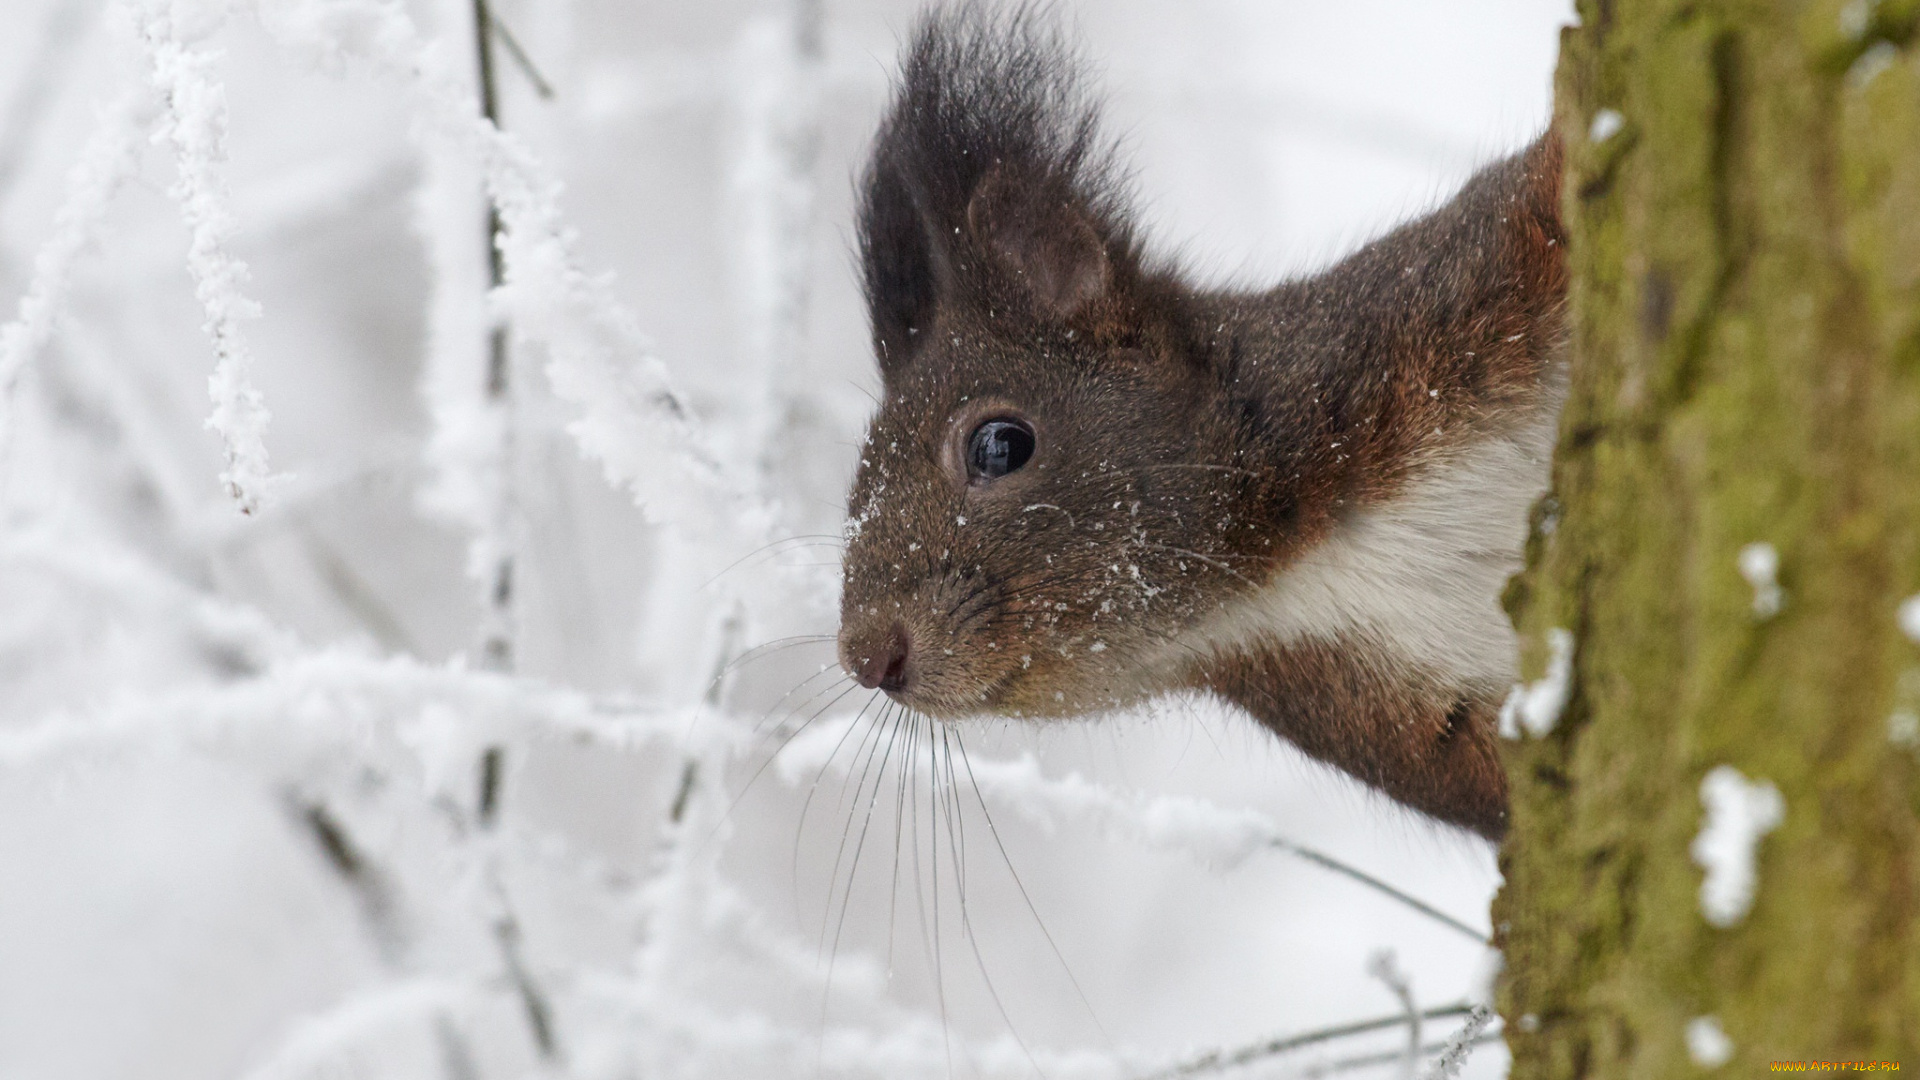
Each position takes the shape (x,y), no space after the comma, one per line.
(1454,1057)
(534,1004)
(781,61)
(496,537)
(234,638)
(378,908)
(1211,833)
(632,419)
(627,414)
(112,154)
(491,557)
(88,384)
(368,884)
(533,1000)
(1384,967)
(334,695)
(772,190)
(466,450)
(195,124)
(317,1040)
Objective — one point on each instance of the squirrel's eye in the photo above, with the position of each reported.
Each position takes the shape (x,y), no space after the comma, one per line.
(998,447)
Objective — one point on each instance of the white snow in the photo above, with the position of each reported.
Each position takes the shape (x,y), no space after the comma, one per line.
(1760,564)
(1856,16)
(465,454)
(1707,1042)
(1220,836)
(1606,124)
(1903,724)
(195,123)
(1909,617)
(1535,707)
(318,1040)
(1739,813)
(1454,1057)
(1903,729)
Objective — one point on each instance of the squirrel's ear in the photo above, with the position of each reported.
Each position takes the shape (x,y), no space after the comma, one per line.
(897,263)
(1040,233)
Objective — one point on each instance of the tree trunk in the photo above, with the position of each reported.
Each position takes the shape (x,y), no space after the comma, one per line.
(1743,206)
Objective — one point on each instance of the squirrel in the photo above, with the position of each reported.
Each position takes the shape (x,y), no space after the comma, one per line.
(1090,482)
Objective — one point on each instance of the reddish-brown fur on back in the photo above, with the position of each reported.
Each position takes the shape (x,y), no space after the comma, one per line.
(1417,741)
(1198,457)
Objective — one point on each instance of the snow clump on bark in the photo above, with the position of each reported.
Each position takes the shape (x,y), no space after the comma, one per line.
(1739,813)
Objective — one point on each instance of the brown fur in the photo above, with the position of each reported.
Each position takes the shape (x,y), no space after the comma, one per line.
(1343,703)
(1190,445)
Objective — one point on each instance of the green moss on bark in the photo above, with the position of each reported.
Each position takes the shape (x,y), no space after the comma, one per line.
(1746,334)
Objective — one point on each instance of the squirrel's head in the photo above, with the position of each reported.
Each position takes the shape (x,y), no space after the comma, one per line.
(1038,508)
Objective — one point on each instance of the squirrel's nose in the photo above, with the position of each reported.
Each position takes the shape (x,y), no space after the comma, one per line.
(881,662)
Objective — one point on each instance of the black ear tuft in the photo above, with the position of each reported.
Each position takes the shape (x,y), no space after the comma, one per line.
(989,168)
(896,263)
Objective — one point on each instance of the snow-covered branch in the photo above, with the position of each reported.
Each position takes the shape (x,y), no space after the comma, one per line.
(195,125)
(110,157)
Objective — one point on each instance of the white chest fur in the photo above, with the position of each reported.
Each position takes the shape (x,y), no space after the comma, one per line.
(1418,575)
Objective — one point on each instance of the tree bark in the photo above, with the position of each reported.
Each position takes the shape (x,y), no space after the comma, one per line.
(1743,207)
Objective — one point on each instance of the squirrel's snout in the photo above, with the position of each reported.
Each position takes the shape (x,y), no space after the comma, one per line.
(877,658)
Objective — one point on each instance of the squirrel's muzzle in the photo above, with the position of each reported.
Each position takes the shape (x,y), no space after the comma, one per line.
(877,654)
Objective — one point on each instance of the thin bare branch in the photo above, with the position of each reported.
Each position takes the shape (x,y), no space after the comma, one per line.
(1387,970)
(1368,1061)
(375,896)
(497,629)
(506,925)
(533,1000)
(1219,1061)
(540,85)
(1329,862)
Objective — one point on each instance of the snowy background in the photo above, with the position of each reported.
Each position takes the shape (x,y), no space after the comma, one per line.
(270,807)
